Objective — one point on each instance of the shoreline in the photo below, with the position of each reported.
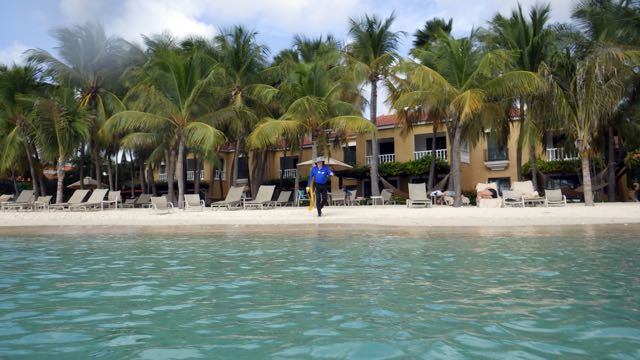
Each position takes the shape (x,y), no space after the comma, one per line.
(396,218)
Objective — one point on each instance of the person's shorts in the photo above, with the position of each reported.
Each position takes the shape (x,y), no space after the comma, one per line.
(494,193)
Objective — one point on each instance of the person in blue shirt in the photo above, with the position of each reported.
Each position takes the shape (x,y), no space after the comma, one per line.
(320,174)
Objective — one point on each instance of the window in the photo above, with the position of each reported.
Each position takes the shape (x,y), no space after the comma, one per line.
(464,152)
(243,167)
(289,162)
(495,151)
(350,154)
(441,142)
(503,183)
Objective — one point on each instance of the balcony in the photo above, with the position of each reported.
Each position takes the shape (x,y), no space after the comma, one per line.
(496,159)
(162,177)
(289,173)
(558,154)
(382,158)
(440,154)
(191,175)
(220,174)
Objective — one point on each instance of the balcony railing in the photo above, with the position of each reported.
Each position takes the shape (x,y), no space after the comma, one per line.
(496,154)
(289,173)
(382,158)
(163,177)
(556,154)
(222,174)
(440,154)
(191,175)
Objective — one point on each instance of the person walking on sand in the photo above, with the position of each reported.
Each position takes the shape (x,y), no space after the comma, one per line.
(320,174)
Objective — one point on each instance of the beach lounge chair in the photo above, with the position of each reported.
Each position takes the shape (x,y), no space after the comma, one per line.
(554,198)
(159,204)
(283,198)
(387,197)
(263,198)
(233,199)
(24,200)
(143,201)
(94,201)
(418,195)
(352,198)
(193,202)
(5,198)
(338,198)
(42,203)
(113,198)
(488,203)
(528,193)
(512,198)
(302,198)
(76,198)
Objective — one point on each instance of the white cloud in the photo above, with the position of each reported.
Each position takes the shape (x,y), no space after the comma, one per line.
(13,54)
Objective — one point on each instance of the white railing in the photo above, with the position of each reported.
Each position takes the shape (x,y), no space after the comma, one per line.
(163,177)
(220,173)
(191,175)
(383,158)
(289,173)
(440,154)
(555,154)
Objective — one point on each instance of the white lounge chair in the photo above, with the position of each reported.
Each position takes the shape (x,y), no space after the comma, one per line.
(554,198)
(233,200)
(193,202)
(42,203)
(512,198)
(113,198)
(263,198)
(283,198)
(338,198)
(528,193)
(488,203)
(160,204)
(24,200)
(75,199)
(94,201)
(418,195)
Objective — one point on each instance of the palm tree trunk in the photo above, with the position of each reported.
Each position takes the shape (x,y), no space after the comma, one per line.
(141,175)
(170,156)
(586,180)
(133,174)
(180,171)
(32,170)
(39,173)
(60,185)
(212,181)
(432,166)
(534,166)
(81,172)
(152,181)
(13,180)
(455,165)
(196,175)
(234,170)
(110,173)
(611,166)
(375,150)
(95,153)
(519,146)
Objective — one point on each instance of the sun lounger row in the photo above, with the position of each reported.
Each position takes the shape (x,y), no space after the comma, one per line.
(28,201)
(521,194)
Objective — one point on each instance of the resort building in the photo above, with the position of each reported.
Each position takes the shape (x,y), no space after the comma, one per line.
(486,161)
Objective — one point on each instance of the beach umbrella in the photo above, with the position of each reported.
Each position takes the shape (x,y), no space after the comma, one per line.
(331,162)
(88,181)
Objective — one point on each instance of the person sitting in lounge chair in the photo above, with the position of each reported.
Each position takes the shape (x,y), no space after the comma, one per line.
(487,193)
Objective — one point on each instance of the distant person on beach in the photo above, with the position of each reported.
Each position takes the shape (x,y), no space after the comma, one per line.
(488,193)
(320,174)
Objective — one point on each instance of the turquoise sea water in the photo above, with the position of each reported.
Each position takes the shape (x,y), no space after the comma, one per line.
(374,295)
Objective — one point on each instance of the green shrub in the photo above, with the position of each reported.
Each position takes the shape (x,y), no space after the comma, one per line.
(560,166)
(410,168)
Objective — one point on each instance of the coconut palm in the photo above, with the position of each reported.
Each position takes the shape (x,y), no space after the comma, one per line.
(430,32)
(372,51)
(531,39)
(17,84)
(61,125)
(167,107)
(468,84)
(91,62)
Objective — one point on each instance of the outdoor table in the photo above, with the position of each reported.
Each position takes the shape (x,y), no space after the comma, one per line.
(374,200)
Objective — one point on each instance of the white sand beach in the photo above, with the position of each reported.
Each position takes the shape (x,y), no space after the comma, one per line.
(362,216)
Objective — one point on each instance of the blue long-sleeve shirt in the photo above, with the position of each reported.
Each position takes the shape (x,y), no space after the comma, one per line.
(320,175)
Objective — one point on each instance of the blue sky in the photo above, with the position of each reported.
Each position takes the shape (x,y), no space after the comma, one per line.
(26,24)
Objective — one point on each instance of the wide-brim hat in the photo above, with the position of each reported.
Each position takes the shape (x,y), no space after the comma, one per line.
(318,159)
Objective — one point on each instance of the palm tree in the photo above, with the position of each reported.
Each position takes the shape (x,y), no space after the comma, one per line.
(61,125)
(91,62)
(17,84)
(531,40)
(372,52)
(586,94)
(430,32)
(168,108)
(468,85)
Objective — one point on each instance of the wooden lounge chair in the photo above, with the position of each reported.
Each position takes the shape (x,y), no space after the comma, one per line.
(263,198)
(75,199)
(113,198)
(512,198)
(94,201)
(160,204)
(193,202)
(233,199)
(24,200)
(418,195)
(283,198)
(554,198)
